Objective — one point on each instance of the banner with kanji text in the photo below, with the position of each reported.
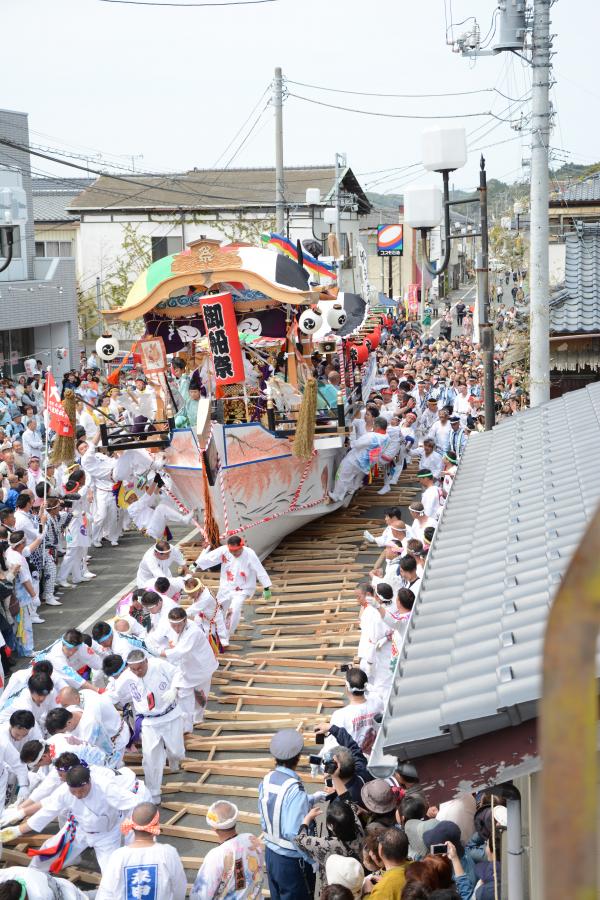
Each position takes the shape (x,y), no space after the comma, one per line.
(220,323)
(58,420)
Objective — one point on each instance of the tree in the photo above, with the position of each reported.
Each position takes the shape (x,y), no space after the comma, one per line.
(247,231)
(136,256)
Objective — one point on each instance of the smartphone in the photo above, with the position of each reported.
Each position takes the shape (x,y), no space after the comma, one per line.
(345,667)
(317,761)
(438,849)
(329,782)
(319,738)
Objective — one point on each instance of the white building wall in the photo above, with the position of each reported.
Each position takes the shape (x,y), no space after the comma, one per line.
(100,238)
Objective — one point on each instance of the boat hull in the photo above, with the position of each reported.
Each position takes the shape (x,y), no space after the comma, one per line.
(258,489)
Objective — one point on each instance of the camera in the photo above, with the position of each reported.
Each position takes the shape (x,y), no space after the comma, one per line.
(345,667)
(315,760)
(67,502)
(329,766)
(438,849)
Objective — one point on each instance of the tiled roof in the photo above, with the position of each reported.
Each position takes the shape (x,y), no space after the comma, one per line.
(576,308)
(521,500)
(586,191)
(213,188)
(52,196)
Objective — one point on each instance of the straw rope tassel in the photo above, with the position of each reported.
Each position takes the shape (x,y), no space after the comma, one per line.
(305,427)
(211,528)
(63,448)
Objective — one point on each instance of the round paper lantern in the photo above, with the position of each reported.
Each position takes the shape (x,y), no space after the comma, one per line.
(336,317)
(359,353)
(107,347)
(310,321)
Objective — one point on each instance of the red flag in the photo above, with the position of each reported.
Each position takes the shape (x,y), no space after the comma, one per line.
(58,419)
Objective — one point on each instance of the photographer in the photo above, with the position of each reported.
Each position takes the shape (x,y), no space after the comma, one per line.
(343,836)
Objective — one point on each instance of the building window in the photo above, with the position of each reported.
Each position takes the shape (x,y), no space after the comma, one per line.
(16,251)
(51,249)
(165,246)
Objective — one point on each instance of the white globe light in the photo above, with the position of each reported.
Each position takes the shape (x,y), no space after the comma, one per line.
(336,317)
(107,347)
(423,206)
(310,321)
(444,149)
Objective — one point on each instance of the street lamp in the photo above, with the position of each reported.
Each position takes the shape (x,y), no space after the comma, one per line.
(443,150)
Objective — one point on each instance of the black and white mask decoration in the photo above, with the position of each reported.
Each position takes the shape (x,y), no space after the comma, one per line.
(107,347)
(310,321)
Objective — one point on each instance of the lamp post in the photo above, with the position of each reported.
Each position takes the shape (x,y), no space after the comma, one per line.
(444,151)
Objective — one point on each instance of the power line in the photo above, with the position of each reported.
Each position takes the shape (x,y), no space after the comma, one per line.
(330,90)
(188,5)
(369,112)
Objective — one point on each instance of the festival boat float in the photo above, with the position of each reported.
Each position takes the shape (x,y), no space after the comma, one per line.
(261,458)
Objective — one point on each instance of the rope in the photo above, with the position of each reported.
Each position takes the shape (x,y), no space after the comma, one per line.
(340,353)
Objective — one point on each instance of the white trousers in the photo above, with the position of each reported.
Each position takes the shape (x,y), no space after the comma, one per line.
(73,564)
(232,603)
(348,479)
(161,739)
(191,709)
(104,843)
(104,521)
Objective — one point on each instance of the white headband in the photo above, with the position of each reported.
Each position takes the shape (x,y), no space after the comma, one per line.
(213,820)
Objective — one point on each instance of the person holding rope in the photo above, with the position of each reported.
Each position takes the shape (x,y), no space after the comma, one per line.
(240,570)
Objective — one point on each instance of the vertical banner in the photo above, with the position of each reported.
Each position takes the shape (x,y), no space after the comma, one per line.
(58,419)
(223,338)
(413,301)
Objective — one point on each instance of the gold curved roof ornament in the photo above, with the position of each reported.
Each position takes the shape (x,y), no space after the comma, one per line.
(207,264)
(568,726)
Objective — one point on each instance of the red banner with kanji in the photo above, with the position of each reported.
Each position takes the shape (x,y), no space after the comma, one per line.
(58,420)
(223,338)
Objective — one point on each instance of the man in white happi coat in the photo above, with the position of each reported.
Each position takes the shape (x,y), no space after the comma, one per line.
(154,511)
(68,655)
(195,661)
(430,498)
(144,867)
(240,570)
(78,532)
(11,768)
(158,607)
(428,457)
(38,696)
(41,885)
(94,815)
(140,403)
(156,563)
(371,628)
(359,461)
(100,480)
(98,722)
(147,683)
(206,610)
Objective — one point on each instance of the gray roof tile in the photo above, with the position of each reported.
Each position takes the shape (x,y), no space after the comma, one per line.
(576,307)
(471,661)
(585,191)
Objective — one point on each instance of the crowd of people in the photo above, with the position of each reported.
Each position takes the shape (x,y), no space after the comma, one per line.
(140,679)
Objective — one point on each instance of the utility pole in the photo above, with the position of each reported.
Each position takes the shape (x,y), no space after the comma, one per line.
(486,332)
(99,304)
(279,177)
(539,322)
(512,29)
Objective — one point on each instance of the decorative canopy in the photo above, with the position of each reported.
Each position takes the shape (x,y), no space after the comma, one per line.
(166,284)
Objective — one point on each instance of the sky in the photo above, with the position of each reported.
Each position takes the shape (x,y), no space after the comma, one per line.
(176,85)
